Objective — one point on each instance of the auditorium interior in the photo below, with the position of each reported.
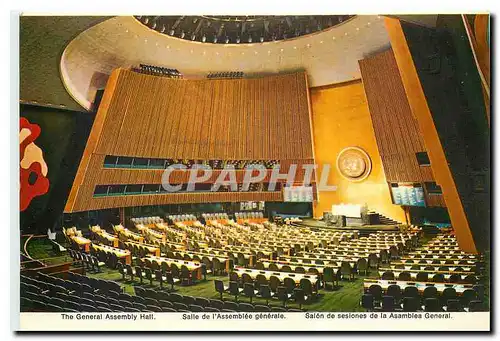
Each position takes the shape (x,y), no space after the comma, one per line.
(391,113)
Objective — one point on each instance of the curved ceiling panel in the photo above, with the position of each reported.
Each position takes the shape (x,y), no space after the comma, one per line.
(241,29)
(329,56)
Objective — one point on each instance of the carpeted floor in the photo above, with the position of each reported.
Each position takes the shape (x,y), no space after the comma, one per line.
(345,298)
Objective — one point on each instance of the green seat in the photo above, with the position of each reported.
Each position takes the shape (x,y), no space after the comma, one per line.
(329,275)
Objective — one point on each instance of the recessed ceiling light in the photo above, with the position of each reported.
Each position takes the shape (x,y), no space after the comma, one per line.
(145,40)
(281,50)
(126,31)
(369,23)
(345,33)
(295,47)
(308,45)
(269,52)
(357,28)
(321,41)
(204,52)
(256,52)
(156,44)
(333,38)
(242,53)
(168,46)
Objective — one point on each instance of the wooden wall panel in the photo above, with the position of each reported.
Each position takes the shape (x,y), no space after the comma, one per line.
(177,198)
(157,117)
(396,129)
(208,119)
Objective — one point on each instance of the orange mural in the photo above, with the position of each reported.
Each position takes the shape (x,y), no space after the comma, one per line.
(33,168)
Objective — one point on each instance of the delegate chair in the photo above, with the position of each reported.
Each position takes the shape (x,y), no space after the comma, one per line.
(432,305)
(411,304)
(395,291)
(266,293)
(283,295)
(376,291)
(249,291)
(367,302)
(388,303)
(235,290)
(454,306)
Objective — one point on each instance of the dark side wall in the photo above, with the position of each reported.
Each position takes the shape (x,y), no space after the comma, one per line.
(62,139)
(452,86)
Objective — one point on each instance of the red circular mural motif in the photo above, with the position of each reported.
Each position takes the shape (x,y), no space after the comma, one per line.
(33,168)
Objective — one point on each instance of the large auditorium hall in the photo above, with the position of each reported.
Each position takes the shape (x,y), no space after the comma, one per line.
(265,165)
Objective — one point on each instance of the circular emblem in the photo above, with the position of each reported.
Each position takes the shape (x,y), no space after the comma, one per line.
(354,164)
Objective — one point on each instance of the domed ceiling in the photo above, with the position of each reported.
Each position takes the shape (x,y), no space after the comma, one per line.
(327,49)
(240,29)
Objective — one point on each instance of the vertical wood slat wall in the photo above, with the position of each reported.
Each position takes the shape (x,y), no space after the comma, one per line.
(157,117)
(249,119)
(396,129)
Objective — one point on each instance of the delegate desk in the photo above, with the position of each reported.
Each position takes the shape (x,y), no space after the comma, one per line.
(438,261)
(459,288)
(274,246)
(357,249)
(428,248)
(295,265)
(155,234)
(281,275)
(151,249)
(121,254)
(335,255)
(371,245)
(310,262)
(243,249)
(169,246)
(435,267)
(222,259)
(446,255)
(414,273)
(109,237)
(82,242)
(194,267)
(129,234)
(252,258)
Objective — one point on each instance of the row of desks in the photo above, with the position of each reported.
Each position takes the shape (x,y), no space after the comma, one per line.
(124,255)
(293,266)
(414,273)
(459,288)
(151,249)
(309,262)
(280,275)
(194,267)
(435,267)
